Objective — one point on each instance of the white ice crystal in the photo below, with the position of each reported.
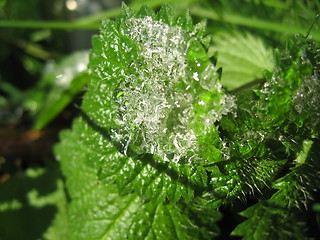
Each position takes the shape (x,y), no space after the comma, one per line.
(155,112)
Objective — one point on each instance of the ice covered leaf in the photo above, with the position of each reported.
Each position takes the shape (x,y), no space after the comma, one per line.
(243,58)
(306,101)
(292,90)
(98,211)
(157,91)
(152,179)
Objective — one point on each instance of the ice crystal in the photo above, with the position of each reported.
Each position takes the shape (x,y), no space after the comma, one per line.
(306,101)
(170,101)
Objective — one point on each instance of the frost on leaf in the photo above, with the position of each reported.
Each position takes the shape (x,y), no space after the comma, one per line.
(97,210)
(293,88)
(165,92)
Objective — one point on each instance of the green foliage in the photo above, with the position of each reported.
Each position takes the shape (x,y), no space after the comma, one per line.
(242,57)
(267,221)
(98,211)
(156,62)
(146,152)
(180,125)
(60,83)
(297,69)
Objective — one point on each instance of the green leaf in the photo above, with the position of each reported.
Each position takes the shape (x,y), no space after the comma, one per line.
(267,221)
(97,211)
(280,217)
(297,188)
(243,58)
(243,177)
(151,178)
(58,87)
(166,15)
(291,92)
(154,88)
(145,11)
(2,3)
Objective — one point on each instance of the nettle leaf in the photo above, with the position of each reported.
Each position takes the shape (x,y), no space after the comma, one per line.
(243,58)
(154,88)
(156,96)
(292,90)
(281,216)
(263,137)
(97,211)
(297,188)
(268,221)
(252,157)
(243,177)
(151,178)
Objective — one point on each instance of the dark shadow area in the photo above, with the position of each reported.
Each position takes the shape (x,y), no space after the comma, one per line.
(232,218)
(24,213)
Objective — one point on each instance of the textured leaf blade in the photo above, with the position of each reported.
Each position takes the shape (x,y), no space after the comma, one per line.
(97,211)
(156,95)
(149,177)
(267,221)
(243,58)
(155,88)
(297,188)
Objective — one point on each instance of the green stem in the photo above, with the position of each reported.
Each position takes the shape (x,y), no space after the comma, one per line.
(72,25)
(250,22)
(90,22)
(111,13)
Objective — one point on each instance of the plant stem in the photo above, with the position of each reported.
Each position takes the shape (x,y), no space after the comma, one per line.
(91,22)
(250,22)
(72,25)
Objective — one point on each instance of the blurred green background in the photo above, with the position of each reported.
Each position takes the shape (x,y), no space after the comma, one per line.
(44,48)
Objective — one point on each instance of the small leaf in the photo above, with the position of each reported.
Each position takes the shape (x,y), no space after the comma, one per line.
(266,221)
(243,58)
(166,15)
(145,11)
(297,188)
(126,11)
(199,29)
(184,21)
